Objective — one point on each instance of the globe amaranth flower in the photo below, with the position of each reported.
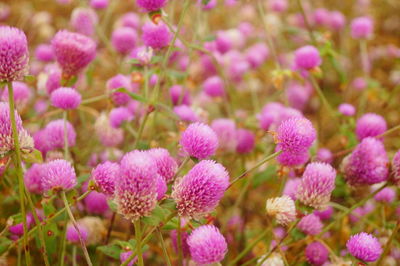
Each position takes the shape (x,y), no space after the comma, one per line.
(337,20)
(199,141)
(307,57)
(370,125)
(72,234)
(298,95)
(124,39)
(22,95)
(99,4)
(166,164)
(130,19)
(53,79)
(108,136)
(310,225)
(245,141)
(33,178)
(207,245)
(214,86)
(386,195)
(316,185)
(44,53)
(55,132)
(151,5)
(292,159)
(361,28)
(291,188)
(324,155)
(226,133)
(65,98)
(73,51)
(347,109)
(105,176)
(257,54)
(316,253)
(14,56)
(179,95)
(96,203)
(120,115)
(199,191)
(282,208)
(296,135)
(364,247)
(58,175)
(84,20)
(325,214)
(186,113)
(184,245)
(278,5)
(396,168)
(367,164)
(117,82)
(136,188)
(156,36)
(6,138)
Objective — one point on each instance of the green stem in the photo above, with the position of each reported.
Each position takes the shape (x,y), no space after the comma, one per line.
(141,128)
(179,242)
(63,242)
(388,243)
(308,26)
(75,224)
(185,161)
(266,159)
(95,99)
(164,248)
(74,256)
(321,96)
(138,235)
(18,167)
(66,152)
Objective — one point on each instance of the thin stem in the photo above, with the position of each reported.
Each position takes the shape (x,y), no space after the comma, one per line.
(308,26)
(388,243)
(40,228)
(75,224)
(74,256)
(63,242)
(141,128)
(266,159)
(18,167)
(179,242)
(321,95)
(110,227)
(66,152)
(164,248)
(185,161)
(95,99)
(138,235)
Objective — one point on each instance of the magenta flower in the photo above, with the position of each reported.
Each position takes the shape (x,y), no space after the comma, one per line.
(73,51)
(73,236)
(316,185)
(55,134)
(166,164)
(65,98)
(124,39)
(292,159)
(99,4)
(245,141)
(33,179)
(117,82)
(362,28)
(347,109)
(278,5)
(386,195)
(179,95)
(307,57)
(214,86)
(125,255)
(136,187)
(226,133)
(14,54)
(324,155)
(364,247)
(58,175)
(257,54)
(44,53)
(396,168)
(105,175)
(84,20)
(185,113)
(370,125)
(291,188)
(310,225)
(298,95)
(337,20)
(325,214)
(207,245)
(156,36)
(96,203)
(53,79)
(120,115)
(367,164)
(22,94)
(199,191)
(199,141)
(161,187)
(316,253)
(296,135)
(151,5)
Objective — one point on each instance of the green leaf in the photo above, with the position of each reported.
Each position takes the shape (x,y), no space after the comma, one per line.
(83,178)
(33,157)
(29,78)
(171,225)
(112,251)
(134,96)
(168,204)
(112,205)
(157,216)
(263,176)
(4,243)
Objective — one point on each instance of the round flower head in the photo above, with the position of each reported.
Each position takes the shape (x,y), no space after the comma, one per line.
(298,95)
(291,188)
(245,141)
(120,115)
(33,179)
(55,134)
(136,188)
(166,165)
(257,54)
(73,51)
(370,125)
(199,141)
(124,39)
(316,185)
(307,57)
(200,190)
(282,208)
(125,255)
(156,36)
(65,98)
(58,175)
(361,28)
(6,138)
(310,225)
(116,82)
(53,80)
(324,155)
(347,109)
(214,87)
(386,195)
(367,164)
(22,94)
(396,168)
(324,214)
(108,136)
(207,245)
(18,229)
(130,19)
(73,236)
(316,253)
(364,247)
(44,53)
(84,20)
(185,113)
(99,4)
(14,54)
(96,203)
(296,135)
(105,175)
(226,133)
(151,5)
(161,187)
(292,159)
(278,5)
(179,95)
(337,20)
